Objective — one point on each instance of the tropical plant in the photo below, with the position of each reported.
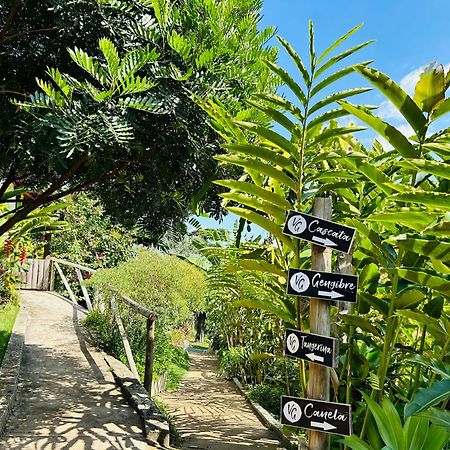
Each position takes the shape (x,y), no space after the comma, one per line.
(416,433)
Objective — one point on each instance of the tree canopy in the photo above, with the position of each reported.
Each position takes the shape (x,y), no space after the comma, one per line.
(115,113)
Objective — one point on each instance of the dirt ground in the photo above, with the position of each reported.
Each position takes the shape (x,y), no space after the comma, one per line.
(210,413)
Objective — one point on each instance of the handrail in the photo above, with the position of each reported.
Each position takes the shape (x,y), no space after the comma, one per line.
(147,313)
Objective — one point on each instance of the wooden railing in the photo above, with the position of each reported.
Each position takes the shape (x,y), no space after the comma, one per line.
(41,275)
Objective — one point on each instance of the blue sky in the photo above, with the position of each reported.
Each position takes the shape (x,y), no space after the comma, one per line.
(408,34)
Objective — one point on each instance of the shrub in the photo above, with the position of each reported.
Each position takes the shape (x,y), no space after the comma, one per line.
(268,397)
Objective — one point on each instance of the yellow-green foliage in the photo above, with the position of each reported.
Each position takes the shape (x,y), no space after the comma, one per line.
(164,283)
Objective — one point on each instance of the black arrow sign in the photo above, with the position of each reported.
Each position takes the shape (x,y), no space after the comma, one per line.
(316,415)
(311,347)
(324,285)
(319,231)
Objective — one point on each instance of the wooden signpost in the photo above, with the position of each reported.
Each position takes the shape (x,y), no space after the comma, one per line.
(324,285)
(319,230)
(327,417)
(316,412)
(311,347)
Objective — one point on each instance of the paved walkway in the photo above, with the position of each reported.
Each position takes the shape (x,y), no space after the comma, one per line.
(210,413)
(64,399)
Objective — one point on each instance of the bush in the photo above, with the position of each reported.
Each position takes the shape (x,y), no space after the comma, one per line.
(171,287)
(268,397)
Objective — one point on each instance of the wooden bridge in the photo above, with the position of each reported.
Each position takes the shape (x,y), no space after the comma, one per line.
(67,397)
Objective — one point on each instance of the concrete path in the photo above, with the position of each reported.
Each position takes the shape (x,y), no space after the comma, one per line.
(210,413)
(67,398)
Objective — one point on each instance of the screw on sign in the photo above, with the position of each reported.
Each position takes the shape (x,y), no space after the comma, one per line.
(311,347)
(324,285)
(319,231)
(316,415)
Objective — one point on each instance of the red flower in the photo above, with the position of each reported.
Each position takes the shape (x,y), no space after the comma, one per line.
(22,255)
(8,246)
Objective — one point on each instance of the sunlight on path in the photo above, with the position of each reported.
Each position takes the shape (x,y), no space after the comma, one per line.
(64,401)
(210,413)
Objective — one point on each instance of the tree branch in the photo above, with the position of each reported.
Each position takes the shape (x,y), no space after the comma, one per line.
(41,199)
(26,33)
(9,20)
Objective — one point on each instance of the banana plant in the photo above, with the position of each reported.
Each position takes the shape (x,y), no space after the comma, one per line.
(416,432)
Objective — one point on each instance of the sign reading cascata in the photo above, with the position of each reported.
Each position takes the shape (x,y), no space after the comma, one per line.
(319,231)
(316,415)
(324,285)
(311,347)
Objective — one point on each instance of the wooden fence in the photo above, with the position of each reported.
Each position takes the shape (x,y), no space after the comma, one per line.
(40,275)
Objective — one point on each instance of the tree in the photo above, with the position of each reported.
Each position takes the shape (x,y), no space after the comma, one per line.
(152,173)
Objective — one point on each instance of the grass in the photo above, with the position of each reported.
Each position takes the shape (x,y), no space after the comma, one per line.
(200,345)
(175,436)
(7,318)
(174,375)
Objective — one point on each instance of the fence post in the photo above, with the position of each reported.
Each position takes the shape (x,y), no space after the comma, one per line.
(148,378)
(52,275)
(319,311)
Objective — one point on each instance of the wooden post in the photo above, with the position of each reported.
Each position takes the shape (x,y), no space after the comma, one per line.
(52,276)
(123,335)
(83,289)
(66,283)
(319,312)
(148,377)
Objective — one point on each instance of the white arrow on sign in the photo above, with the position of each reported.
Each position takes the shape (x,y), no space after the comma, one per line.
(325,241)
(314,357)
(332,294)
(323,425)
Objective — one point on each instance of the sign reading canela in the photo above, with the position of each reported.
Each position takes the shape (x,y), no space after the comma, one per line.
(311,347)
(319,231)
(316,415)
(324,285)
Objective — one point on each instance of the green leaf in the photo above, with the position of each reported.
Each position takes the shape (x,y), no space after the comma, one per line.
(340,57)
(335,97)
(438,367)
(275,115)
(409,299)
(296,58)
(259,204)
(431,199)
(427,397)
(264,305)
(261,167)
(430,89)
(263,222)
(440,227)
(435,281)
(276,139)
(443,109)
(338,42)
(438,417)
(111,55)
(359,321)
(388,132)
(385,427)
(265,153)
(399,98)
(334,132)
(87,63)
(433,326)
(250,188)
(424,245)
(417,220)
(440,169)
(327,116)
(355,443)
(336,76)
(282,103)
(256,265)
(288,80)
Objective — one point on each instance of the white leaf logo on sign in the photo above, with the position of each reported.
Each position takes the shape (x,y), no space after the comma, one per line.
(297,224)
(292,412)
(292,343)
(300,282)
